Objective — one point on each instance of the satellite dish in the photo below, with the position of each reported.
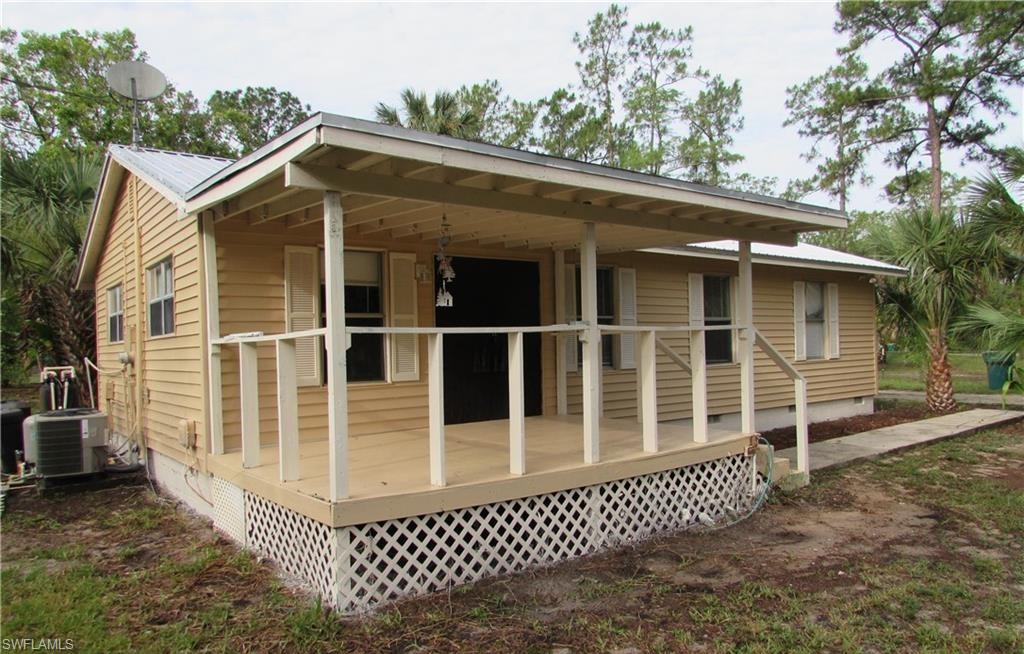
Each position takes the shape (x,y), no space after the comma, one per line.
(137,81)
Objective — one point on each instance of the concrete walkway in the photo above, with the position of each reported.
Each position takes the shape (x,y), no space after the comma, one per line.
(871,444)
(995,399)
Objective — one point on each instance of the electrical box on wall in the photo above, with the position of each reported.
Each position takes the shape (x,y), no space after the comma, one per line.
(187,434)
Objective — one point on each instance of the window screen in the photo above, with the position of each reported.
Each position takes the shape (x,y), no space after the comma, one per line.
(605,313)
(115,314)
(160,293)
(364,307)
(814,319)
(717,311)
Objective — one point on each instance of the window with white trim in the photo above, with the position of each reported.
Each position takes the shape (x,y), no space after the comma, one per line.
(815,324)
(816,320)
(605,313)
(115,314)
(717,312)
(160,296)
(364,307)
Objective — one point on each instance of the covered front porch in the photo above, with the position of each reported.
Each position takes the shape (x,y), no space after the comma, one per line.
(389,472)
(338,187)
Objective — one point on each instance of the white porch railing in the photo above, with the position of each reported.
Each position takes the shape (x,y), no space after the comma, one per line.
(799,401)
(649,342)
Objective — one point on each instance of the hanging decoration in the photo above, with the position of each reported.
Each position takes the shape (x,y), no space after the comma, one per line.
(444,264)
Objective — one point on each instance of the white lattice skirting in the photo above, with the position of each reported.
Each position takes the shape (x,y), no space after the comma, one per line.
(359,567)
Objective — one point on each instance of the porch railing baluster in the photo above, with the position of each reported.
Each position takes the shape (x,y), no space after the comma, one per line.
(699,383)
(647,371)
(435,407)
(248,372)
(516,406)
(287,411)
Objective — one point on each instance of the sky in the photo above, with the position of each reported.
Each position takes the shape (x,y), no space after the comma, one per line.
(344,58)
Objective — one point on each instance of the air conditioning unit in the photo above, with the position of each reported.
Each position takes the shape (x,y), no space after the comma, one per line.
(66,442)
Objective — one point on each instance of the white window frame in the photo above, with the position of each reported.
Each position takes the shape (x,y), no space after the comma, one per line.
(824,322)
(733,345)
(602,319)
(115,310)
(385,286)
(830,333)
(165,293)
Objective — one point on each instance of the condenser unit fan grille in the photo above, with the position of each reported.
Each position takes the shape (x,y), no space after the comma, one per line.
(60,448)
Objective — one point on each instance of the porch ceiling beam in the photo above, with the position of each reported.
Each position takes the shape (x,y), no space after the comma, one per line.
(321,178)
(268,192)
(305,217)
(408,216)
(431,228)
(520,229)
(373,210)
(281,208)
(468,229)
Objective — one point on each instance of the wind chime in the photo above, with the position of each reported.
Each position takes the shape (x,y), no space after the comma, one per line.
(444,264)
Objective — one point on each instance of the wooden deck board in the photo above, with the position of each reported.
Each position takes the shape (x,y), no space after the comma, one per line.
(389,475)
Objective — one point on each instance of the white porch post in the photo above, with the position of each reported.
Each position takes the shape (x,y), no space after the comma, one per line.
(337,368)
(745,318)
(212,294)
(435,408)
(561,342)
(516,406)
(591,346)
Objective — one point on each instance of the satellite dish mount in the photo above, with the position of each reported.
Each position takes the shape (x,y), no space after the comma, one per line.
(139,82)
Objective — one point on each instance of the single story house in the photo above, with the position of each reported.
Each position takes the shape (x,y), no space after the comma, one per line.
(392,361)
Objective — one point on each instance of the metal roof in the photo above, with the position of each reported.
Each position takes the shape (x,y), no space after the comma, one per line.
(815,255)
(174,172)
(348,123)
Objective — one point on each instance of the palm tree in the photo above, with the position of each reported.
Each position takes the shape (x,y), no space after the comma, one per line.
(943,266)
(996,211)
(444,115)
(45,207)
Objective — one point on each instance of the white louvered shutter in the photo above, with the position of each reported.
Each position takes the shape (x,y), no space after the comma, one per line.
(734,312)
(302,310)
(405,351)
(832,315)
(799,321)
(627,315)
(695,282)
(571,315)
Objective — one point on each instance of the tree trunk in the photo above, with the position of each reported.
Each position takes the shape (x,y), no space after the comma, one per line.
(935,154)
(841,156)
(939,390)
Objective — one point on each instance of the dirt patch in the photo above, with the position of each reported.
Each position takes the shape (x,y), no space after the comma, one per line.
(887,416)
(878,557)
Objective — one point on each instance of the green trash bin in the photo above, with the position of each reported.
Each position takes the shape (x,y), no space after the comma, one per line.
(998,369)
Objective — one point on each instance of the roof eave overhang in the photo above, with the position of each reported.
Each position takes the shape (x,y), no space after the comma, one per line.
(99,219)
(778,261)
(335,131)
(500,161)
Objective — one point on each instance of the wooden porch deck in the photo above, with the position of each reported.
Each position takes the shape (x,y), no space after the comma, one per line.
(390,472)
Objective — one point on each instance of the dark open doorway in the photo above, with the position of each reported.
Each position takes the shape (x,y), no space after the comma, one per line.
(489,293)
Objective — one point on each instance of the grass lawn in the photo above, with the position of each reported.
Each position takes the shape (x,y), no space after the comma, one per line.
(919,552)
(903,373)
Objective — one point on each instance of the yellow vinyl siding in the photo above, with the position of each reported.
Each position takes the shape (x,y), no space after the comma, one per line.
(662,299)
(172,366)
(250,262)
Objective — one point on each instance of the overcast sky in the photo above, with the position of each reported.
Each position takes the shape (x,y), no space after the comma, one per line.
(344,58)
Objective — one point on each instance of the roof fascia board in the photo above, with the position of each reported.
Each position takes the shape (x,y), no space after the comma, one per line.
(254,174)
(779,261)
(266,150)
(174,198)
(99,220)
(326,179)
(553,173)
